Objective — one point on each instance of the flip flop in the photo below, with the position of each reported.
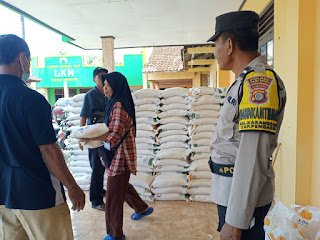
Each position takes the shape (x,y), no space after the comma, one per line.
(108,237)
(137,216)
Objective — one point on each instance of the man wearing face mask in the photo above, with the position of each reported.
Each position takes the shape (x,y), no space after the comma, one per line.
(32,167)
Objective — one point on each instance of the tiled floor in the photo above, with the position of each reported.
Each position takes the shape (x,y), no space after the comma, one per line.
(170,220)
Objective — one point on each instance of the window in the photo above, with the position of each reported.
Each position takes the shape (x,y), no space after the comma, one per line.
(58,93)
(266,33)
(84,90)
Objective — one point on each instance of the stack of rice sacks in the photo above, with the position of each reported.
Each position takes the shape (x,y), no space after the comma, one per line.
(171,163)
(146,101)
(205,105)
(77,160)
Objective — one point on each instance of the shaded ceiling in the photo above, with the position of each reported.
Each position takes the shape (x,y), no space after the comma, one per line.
(133,23)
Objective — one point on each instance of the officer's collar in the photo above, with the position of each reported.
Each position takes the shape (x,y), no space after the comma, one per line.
(251,65)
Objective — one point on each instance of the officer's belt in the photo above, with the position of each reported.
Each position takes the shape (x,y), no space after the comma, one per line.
(225,170)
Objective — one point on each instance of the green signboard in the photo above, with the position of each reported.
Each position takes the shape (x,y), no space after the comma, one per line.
(71,69)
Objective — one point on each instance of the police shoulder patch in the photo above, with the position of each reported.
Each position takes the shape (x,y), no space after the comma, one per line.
(258,109)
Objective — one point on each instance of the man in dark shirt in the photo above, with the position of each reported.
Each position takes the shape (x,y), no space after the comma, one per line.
(32,167)
(94,105)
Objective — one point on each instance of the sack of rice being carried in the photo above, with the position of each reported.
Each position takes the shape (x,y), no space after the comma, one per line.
(90,131)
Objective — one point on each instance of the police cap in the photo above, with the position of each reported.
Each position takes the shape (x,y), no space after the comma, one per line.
(243,23)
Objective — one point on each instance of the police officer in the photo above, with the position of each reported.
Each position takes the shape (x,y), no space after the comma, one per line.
(247,131)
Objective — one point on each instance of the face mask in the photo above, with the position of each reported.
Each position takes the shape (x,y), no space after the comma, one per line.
(25,76)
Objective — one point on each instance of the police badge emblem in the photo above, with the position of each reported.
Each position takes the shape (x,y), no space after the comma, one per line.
(259,89)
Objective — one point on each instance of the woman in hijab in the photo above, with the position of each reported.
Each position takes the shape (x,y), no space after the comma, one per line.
(120,118)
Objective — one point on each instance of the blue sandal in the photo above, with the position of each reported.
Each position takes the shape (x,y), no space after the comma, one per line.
(108,237)
(137,216)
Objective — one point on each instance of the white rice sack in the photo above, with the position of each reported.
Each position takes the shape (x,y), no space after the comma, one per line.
(145,161)
(73,147)
(169,180)
(181,120)
(174,113)
(168,145)
(83,163)
(177,99)
(175,91)
(165,162)
(82,179)
(199,183)
(203,121)
(199,190)
(146,146)
(204,114)
(144,169)
(152,100)
(71,129)
(145,127)
(78,97)
(200,175)
(172,126)
(146,107)
(171,197)
(202,135)
(76,104)
(75,110)
(151,121)
(200,150)
(177,189)
(148,152)
(146,114)
(92,144)
(193,129)
(174,138)
(84,187)
(201,165)
(79,158)
(171,168)
(145,134)
(145,140)
(173,106)
(207,99)
(73,117)
(197,92)
(71,141)
(79,152)
(200,142)
(90,131)
(172,133)
(80,169)
(212,107)
(200,198)
(142,179)
(143,191)
(146,198)
(177,153)
(146,93)
(200,156)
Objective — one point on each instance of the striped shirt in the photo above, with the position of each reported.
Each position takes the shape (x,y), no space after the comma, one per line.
(125,158)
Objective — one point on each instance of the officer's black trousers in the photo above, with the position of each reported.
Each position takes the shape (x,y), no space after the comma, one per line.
(254,233)
(96,185)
